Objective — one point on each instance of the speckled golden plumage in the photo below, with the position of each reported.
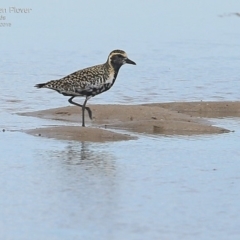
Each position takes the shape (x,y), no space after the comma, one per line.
(90,81)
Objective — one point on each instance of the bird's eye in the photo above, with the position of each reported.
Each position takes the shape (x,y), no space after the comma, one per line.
(119,55)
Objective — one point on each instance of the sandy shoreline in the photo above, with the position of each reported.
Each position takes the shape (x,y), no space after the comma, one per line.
(182,118)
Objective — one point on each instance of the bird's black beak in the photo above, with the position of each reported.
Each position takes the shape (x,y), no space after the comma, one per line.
(130,61)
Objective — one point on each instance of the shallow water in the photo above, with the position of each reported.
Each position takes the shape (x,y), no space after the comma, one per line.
(156,187)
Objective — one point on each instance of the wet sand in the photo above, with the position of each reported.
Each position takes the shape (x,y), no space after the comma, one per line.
(77,133)
(182,118)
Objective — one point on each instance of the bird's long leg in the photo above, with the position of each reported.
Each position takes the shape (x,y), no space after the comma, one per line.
(83,108)
(84,105)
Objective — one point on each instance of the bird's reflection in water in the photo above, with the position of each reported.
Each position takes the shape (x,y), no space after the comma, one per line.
(89,156)
(84,173)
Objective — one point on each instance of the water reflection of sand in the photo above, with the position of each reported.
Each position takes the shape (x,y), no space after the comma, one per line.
(158,118)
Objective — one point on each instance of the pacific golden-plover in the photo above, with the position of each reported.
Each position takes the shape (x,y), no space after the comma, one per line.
(89,82)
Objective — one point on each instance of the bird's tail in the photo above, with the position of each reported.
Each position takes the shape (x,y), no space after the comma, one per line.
(40,85)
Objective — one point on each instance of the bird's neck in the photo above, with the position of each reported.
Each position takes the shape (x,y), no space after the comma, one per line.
(113,67)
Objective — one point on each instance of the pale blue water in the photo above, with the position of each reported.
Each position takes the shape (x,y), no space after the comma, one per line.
(156,187)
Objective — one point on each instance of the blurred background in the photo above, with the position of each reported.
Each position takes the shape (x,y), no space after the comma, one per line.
(159,187)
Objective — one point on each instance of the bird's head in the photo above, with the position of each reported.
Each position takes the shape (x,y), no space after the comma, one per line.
(117,58)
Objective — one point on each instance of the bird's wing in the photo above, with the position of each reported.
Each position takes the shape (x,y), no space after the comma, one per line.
(89,86)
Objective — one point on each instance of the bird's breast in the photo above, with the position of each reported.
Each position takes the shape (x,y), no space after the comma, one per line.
(111,78)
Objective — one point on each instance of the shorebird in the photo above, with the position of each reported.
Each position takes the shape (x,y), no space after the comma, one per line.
(89,82)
